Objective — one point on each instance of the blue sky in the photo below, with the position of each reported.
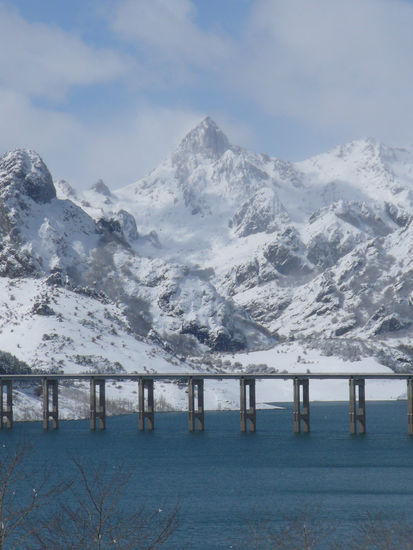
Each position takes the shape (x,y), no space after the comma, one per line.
(106,88)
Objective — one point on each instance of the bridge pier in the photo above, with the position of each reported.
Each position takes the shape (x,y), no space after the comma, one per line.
(247,413)
(6,403)
(410,405)
(357,410)
(52,414)
(196,388)
(301,414)
(97,409)
(146,410)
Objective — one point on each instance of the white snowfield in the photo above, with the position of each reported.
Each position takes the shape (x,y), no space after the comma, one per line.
(219,260)
(86,336)
(293,359)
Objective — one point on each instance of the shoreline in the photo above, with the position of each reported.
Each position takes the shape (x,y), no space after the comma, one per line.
(277,406)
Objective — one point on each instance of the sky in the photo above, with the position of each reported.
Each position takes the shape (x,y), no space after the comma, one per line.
(107,88)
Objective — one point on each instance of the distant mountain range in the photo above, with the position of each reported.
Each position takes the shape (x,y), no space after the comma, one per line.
(217,250)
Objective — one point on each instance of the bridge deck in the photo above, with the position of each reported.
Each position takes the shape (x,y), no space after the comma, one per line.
(208,376)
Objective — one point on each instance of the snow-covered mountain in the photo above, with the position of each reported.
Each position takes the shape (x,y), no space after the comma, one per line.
(315,249)
(217,251)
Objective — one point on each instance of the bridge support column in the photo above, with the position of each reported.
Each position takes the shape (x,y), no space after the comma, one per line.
(6,403)
(196,389)
(146,410)
(52,414)
(97,407)
(248,413)
(301,414)
(410,406)
(357,410)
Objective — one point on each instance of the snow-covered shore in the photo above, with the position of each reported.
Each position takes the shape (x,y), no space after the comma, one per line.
(122,396)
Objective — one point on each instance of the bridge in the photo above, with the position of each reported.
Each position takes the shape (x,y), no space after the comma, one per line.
(195,384)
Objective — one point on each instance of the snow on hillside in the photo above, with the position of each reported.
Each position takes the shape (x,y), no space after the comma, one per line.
(365,170)
(58,330)
(293,358)
(217,255)
(270,234)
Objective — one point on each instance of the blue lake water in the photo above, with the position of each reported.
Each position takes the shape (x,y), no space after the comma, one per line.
(222,478)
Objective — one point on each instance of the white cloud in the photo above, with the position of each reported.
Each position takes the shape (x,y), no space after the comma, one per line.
(22,125)
(43,60)
(338,68)
(128,140)
(121,151)
(169,30)
(118,149)
(120,146)
(331,64)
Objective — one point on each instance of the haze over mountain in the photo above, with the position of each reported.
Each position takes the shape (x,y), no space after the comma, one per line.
(217,250)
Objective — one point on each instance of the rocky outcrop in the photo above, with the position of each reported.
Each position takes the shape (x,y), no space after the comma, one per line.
(101,187)
(206,139)
(257,214)
(286,254)
(23,172)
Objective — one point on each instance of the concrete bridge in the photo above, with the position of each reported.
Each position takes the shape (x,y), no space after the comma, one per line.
(195,382)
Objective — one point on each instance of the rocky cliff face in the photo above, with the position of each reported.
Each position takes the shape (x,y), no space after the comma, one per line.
(23,173)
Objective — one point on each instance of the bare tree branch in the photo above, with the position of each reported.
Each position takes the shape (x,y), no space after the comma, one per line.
(97,516)
(23,493)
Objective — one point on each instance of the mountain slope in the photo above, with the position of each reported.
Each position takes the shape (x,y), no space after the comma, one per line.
(276,236)
(218,249)
(43,235)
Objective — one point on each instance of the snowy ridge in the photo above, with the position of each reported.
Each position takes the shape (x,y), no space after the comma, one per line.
(271,233)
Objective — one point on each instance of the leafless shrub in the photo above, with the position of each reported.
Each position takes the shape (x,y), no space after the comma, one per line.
(379,533)
(307,530)
(24,492)
(301,531)
(163,405)
(39,510)
(99,516)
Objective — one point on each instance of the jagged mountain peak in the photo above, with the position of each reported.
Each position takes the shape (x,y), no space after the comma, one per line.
(65,190)
(370,150)
(101,187)
(25,169)
(206,139)
(363,170)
